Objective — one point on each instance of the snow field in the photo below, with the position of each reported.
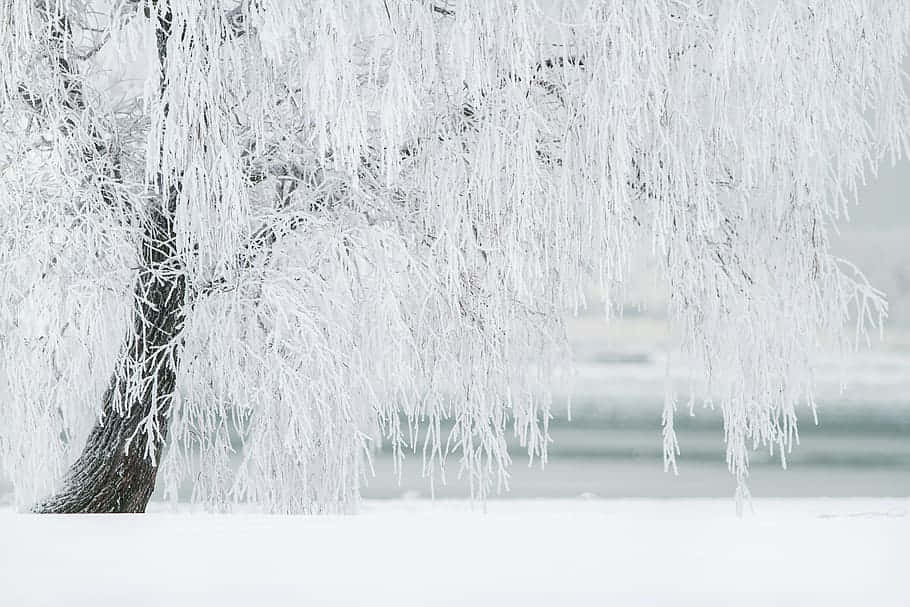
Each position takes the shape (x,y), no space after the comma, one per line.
(519,552)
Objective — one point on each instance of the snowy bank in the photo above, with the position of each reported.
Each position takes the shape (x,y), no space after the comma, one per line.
(519,552)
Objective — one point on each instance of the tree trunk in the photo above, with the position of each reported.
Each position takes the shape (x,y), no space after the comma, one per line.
(117,468)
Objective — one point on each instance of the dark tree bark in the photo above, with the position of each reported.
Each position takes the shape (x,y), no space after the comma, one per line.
(117,468)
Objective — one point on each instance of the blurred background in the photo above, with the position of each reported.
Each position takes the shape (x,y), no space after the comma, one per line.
(612,445)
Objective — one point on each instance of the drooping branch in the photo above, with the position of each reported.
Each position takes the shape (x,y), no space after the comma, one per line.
(262,241)
(235,19)
(97,152)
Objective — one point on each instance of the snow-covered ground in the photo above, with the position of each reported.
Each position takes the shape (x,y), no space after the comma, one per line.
(519,552)
(797,551)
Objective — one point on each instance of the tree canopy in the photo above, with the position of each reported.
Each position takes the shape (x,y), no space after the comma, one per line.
(374,215)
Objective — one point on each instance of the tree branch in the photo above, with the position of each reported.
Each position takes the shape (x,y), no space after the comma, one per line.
(97,150)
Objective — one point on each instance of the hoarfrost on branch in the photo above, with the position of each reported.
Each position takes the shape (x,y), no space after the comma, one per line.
(382,211)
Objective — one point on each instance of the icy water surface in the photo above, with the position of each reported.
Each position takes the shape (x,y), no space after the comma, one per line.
(851,453)
(612,445)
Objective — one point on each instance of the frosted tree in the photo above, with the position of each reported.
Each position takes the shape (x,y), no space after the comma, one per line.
(317,227)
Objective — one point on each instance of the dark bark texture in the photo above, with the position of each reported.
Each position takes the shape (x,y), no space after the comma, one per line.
(117,468)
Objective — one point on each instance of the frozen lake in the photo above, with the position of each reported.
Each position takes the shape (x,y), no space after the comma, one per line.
(612,445)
